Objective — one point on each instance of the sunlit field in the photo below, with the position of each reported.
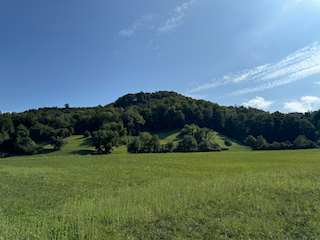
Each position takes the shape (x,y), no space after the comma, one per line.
(217,195)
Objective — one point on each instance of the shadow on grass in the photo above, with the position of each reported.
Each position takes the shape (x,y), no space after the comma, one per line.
(46,151)
(43,143)
(87,142)
(223,137)
(84,152)
(164,134)
(178,138)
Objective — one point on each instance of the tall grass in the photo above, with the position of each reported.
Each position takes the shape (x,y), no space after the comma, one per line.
(226,195)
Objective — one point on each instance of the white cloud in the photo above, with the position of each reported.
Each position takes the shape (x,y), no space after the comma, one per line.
(152,48)
(174,20)
(301,64)
(318,83)
(1,112)
(128,32)
(258,102)
(176,17)
(307,103)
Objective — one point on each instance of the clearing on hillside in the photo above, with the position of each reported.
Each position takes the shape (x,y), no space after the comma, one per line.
(77,144)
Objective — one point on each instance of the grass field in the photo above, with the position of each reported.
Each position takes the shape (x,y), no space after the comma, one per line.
(214,195)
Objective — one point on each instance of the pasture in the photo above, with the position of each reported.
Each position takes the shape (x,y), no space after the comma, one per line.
(214,195)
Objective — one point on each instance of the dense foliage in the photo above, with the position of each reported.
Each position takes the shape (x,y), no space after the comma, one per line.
(147,112)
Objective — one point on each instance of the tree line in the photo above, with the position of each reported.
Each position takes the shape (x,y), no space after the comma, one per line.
(134,114)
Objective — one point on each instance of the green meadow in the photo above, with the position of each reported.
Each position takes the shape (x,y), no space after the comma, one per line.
(235,194)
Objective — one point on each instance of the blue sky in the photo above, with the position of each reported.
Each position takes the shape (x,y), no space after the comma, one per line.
(263,54)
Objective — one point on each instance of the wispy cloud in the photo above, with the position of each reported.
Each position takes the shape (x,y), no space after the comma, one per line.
(152,47)
(258,102)
(307,103)
(174,20)
(318,83)
(128,32)
(176,17)
(301,64)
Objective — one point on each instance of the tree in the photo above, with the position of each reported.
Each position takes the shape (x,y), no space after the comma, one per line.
(216,146)
(106,139)
(144,143)
(109,140)
(308,129)
(261,142)
(86,134)
(97,142)
(169,146)
(250,141)
(188,144)
(302,142)
(206,145)
(63,132)
(227,142)
(40,132)
(133,120)
(58,142)
(155,143)
(134,145)
(22,141)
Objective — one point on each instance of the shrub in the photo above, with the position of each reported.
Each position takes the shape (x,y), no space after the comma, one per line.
(169,146)
(58,142)
(228,143)
(3,154)
(188,144)
(250,141)
(302,142)
(206,145)
(86,134)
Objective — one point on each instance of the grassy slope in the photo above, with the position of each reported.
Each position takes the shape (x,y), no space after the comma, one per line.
(217,195)
(173,135)
(77,144)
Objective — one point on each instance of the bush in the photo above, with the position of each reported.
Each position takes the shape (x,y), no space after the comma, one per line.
(188,144)
(3,154)
(206,145)
(63,132)
(40,149)
(302,142)
(169,146)
(228,143)
(135,145)
(86,134)
(216,146)
(250,141)
(58,142)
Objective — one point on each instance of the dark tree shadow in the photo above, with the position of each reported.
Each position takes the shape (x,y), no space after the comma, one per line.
(46,151)
(178,138)
(82,137)
(223,137)
(87,142)
(43,143)
(164,134)
(84,152)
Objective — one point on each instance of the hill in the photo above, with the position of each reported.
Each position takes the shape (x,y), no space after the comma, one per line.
(156,112)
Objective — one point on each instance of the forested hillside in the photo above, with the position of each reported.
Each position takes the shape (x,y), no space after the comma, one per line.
(146,112)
